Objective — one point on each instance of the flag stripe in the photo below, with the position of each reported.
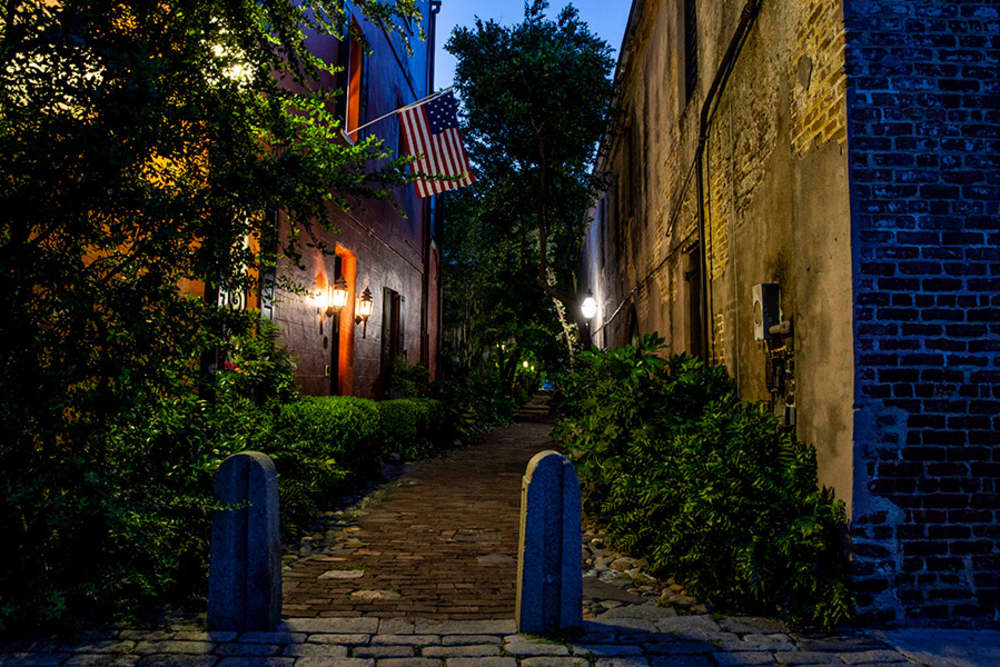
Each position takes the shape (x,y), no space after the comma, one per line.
(439,154)
(428,165)
(411,148)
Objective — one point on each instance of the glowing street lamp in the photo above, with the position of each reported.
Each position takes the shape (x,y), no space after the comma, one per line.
(589,306)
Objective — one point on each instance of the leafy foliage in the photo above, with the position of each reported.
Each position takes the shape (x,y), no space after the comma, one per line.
(708,487)
(414,427)
(407,381)
(145,146)
(119,517)
(531,128)
(513,238)
(129,530)
(321,444)
(476,399)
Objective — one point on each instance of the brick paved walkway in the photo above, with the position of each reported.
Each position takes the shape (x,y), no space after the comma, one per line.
(440,542)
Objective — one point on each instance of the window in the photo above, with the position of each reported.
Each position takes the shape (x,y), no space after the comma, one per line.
(690,48)
(393,342)
(352,80)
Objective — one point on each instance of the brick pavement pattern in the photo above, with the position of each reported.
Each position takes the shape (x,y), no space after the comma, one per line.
(441,542)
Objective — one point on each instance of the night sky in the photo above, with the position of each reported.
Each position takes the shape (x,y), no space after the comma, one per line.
(606,18)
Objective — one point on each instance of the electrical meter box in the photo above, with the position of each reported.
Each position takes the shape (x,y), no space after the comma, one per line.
(766,309)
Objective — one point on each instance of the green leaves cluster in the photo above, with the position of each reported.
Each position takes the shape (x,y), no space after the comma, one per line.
(114,516)
(706,486)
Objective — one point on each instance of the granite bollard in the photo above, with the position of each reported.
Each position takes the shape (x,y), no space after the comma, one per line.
(549,576)
(244,584)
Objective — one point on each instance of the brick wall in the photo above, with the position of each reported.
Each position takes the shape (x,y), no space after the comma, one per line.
(924,154)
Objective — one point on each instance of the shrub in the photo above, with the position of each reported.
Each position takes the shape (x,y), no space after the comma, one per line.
(319,445)
(114,516)
(414,427)
(475,400)
(408,381)
(343,428)
(706,486)
(118,518)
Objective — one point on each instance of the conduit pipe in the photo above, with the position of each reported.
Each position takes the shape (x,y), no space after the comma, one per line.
(708,107)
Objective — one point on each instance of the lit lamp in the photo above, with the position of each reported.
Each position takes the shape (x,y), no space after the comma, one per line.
(366,304)
(589,307)
(589,310)
(336,296)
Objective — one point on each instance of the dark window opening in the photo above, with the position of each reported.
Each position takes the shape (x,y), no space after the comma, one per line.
(352,81)
(690,48)
(393,333)
(693,277)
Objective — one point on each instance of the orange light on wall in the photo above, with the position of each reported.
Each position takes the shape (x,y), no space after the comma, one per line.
(366,305)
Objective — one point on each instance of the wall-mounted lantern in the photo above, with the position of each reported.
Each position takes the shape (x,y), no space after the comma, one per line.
(366,305)
(336,296)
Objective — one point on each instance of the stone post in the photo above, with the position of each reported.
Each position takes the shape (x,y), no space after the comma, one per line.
(244,583)
(549,575)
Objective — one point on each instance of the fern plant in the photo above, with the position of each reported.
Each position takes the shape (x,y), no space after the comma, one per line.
(708,487)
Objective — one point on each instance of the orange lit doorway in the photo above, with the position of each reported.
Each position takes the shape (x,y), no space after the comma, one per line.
(342,327)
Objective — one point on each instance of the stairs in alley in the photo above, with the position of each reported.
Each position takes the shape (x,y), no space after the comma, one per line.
(535,410)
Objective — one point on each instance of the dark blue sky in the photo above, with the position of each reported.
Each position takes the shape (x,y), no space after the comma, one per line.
(606,18)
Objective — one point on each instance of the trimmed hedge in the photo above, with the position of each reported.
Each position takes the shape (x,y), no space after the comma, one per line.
(414,427)
(343,428)
(320,444)
(708,487)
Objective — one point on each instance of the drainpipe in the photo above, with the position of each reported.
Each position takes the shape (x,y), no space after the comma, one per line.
(708,107)
(427,209)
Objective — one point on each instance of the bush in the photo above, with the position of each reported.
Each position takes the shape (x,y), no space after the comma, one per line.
(114,514)
(706,486)
(408,381)
(414,427)
(475,400)
(321,444)
(343,428)
(118,519)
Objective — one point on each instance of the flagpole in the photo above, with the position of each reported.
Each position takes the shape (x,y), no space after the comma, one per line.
(404,108)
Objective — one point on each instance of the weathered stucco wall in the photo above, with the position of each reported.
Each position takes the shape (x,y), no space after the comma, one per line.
(776,205)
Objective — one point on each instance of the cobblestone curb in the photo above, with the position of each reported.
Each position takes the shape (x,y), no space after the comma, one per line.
(693,640)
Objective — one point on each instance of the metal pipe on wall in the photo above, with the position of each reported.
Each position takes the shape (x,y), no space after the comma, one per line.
(708,107)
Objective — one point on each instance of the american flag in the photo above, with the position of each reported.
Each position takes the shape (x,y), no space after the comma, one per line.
(430,131)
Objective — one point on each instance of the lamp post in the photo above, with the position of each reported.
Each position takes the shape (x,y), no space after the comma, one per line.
(589,309)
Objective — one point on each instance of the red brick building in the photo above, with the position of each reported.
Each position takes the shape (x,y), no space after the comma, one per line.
(385,247)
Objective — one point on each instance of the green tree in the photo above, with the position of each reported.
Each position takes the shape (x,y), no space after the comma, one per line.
(537,99)
(143,143)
